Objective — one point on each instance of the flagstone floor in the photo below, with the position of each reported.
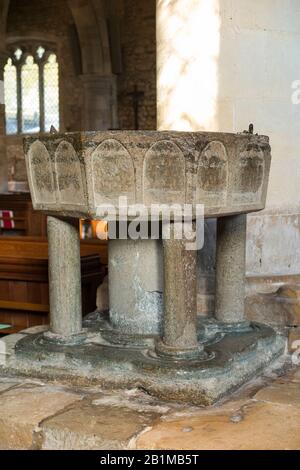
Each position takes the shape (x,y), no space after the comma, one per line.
(265,414)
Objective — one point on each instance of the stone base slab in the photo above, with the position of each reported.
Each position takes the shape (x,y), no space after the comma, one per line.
(232,360)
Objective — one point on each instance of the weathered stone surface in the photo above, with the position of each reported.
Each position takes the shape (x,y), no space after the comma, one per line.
(149,167)
(64,276)
(285,393)
(7,343)
(35,329)
(281,308)
(234,359)
(96,425)
(55,417)
(112,173)
(256,426)
(297,376)
(164,173)
(136,285)
(180,299)
(291,375)
(23,409)
(102,300)
(212,175)
(230,269)
(7,384)
(40,174)
(69,174)
(294,340)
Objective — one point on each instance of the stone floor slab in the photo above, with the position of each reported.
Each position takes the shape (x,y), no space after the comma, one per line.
(37,415)
(258,426)
(6,385)
(23,409)
(286,393)
(92,424)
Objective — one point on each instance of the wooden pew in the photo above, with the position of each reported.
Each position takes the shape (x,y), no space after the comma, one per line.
(24,297)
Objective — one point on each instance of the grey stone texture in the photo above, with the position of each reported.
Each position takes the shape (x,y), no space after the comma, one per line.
(280,308)
(180,299)
(81,174)
(139,343)
(136,286)
(64,277)
(230,269)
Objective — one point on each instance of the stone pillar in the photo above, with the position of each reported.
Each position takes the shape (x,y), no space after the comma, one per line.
(3,157)
(230,269)
(135,286)
(179,338)
(100,102)
(64,277)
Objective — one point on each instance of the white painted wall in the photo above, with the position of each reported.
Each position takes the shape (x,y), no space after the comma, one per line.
(223,64)
(258,62)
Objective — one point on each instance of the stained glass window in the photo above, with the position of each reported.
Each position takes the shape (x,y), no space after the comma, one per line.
(10,97)
(51,96)
(30,96)
(31,85)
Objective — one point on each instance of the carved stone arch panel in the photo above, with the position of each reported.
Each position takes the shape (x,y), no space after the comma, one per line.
(69,173)
(40,174)
(212,175)
(113,173)
(251,169)
(164,174)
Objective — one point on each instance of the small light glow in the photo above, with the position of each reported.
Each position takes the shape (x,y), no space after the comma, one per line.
(18,53)
(40,52)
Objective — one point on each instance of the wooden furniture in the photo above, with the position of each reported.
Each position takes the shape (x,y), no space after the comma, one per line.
(24,297)
(27,222)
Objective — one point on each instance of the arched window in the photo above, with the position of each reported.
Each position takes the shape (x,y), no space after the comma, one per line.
(31,90)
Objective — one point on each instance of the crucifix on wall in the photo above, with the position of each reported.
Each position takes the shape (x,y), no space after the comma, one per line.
(136,96)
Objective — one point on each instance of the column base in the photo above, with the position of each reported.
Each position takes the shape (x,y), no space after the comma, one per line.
(73,340)
(176,354)
(231,360)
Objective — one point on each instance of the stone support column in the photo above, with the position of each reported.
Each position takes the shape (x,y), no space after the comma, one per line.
(100,102)
(135,286)
(179,338)
(230,269)
(64,277)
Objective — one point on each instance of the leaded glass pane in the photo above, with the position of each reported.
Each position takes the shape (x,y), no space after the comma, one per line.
(10,98)
(51,93)
(30,96)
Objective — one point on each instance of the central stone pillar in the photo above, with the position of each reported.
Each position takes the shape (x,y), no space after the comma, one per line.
(64,277)
(135,286)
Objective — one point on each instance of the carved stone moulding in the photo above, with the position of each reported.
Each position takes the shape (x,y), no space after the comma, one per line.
(81,174)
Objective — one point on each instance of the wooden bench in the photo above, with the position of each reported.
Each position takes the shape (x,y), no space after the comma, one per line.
(24,296)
